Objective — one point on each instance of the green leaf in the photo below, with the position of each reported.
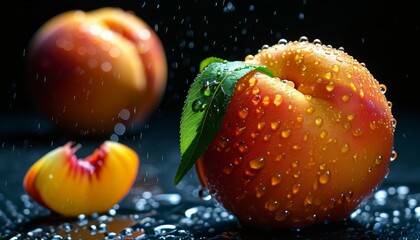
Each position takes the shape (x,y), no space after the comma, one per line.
(206,104)
(209,60)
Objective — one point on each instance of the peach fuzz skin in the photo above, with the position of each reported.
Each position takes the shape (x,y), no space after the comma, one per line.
(70,186)
(303,151)
(84,68)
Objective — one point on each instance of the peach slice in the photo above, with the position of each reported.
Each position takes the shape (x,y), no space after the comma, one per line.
(70,186)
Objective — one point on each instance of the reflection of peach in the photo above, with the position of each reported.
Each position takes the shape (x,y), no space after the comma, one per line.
(90,70)
(68,186)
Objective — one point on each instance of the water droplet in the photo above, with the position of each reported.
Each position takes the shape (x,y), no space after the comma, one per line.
(351,117)
(383,88)
(265,46)
(310,110)
(222,143)
(255,90)
(243,148)
(295,188)
(305,136)
(309,199)
(249,57)
(278,100)
(252,81)
(318,121)
(346,126)
(266,100)
(272,205)
(345,148)
(259,191)
(299,119)
(243,113)
(298,58)
(330,86)
(357,132)
(205,90)
(361,93)
(239,130)
(336,68)
(282,41)
(349,196)
(259,110)
(323,134)
(119,129)
(256,99)
(283,215)
(124,114)
(204,194)
(393,122)
(257,163)
(254,135)
(303,39)
(288,83)
(393,155)
(324,178)
(378,160)
(165,229)
(274,125)
(285,133)
(102,228)
(278,158)
(198,105)
(328,75)
(345,98)
(240,87)
(317,42)
(276,179)
(372,125)
(260,126)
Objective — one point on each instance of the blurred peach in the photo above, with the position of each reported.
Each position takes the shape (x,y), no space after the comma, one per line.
(88,71)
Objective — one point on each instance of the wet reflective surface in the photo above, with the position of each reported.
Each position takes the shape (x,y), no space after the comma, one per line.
(158,209)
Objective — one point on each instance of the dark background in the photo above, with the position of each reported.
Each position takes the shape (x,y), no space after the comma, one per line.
(382,34)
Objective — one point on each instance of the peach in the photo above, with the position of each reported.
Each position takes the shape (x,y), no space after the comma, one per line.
(70,186)
(88,71)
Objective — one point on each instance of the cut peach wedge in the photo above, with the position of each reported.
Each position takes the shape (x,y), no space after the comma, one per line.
(70,186)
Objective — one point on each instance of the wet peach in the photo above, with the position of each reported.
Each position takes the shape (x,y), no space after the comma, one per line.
(70,186)
(88,71)
(305,147)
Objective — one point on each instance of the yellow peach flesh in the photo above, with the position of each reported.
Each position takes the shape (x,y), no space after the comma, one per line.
(70,186)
